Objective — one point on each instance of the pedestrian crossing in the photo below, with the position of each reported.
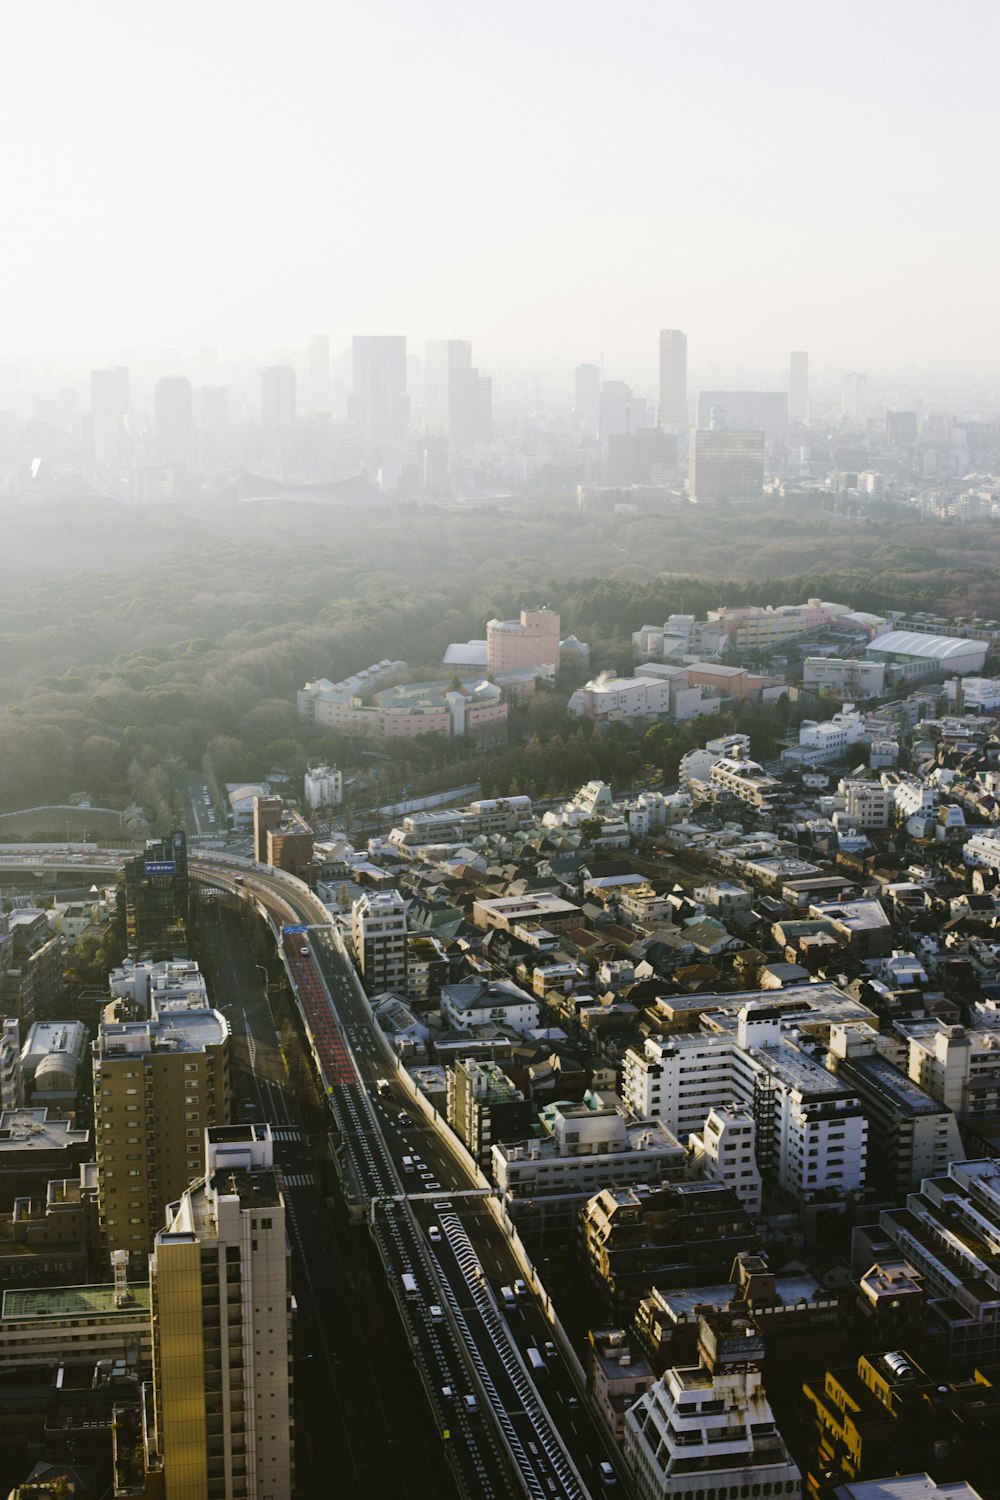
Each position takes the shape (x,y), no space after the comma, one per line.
(285,1135)
(299,1179)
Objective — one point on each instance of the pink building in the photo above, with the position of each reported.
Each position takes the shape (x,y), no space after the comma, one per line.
(532,641)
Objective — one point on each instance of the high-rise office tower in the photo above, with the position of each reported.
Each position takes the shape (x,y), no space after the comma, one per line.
(109,392)
(587,399)
(277,397)
(854,402)
(441,357)
(798,386)
(318,392)
(379,407)
(470,408)
(220,1423)
(158,1084)
(673,413)
(726,465)
(173,419)
(155,892)
(615,410)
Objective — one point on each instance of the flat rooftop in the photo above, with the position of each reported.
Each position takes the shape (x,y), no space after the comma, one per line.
(73,1302)
(181,1030)
(26,1130)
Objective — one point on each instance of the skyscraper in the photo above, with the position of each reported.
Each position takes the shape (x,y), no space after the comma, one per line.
(470,407)
(673,413)
(318,392)
(155,893)
(277,397)
(854,402)
(109,392)
(798,386)
(379,407)
(441,357)
(158,1084)
(221,1303)
(173,419)
(587,399)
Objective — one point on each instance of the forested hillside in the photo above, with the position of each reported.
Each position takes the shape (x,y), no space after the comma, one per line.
(134,640)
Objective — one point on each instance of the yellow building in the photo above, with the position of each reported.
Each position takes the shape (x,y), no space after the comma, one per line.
(221,1302)
(157,1085)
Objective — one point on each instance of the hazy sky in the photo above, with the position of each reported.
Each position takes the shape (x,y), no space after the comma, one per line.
(553,179)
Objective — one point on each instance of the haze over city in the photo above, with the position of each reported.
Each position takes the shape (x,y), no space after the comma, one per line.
(500,751)
(548,180)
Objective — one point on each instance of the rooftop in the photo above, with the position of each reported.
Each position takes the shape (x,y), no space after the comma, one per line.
(73,1302)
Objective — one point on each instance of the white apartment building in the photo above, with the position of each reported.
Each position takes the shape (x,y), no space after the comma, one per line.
(958,1065)
(811,1133)
(982,851)
(697,765)
(588,1149)
(725,1150)
(620,698)
(744,779)
(867,803)
(324,787)
(829,739)
(910,796)
(378,933)
(707,1431)
(480,1002)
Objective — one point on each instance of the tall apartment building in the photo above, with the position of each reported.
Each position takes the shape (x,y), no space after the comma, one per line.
(726,465)
(220,1423)
(267,813)
(531,641)
(484,1106)
(949,1233)
(672,411)
(155,891)
(911,1135)
(157,1085)
(378,930)
(811,1132)
(707,1430)
(798,386)
(289,843)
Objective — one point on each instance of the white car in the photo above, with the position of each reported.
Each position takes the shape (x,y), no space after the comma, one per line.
(435,1234)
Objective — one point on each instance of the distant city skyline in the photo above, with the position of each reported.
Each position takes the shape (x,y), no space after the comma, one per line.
(549,185)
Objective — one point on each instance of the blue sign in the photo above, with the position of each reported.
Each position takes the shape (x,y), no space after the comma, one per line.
(295,927)
(161,867)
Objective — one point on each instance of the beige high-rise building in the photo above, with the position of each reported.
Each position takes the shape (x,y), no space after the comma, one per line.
(157,1085)
(221,1414)
(726,465)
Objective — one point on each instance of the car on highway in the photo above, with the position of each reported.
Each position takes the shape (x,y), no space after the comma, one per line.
(550,1349)
(607,1473)
(435,1234)
(507,1295)
(520,1289)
